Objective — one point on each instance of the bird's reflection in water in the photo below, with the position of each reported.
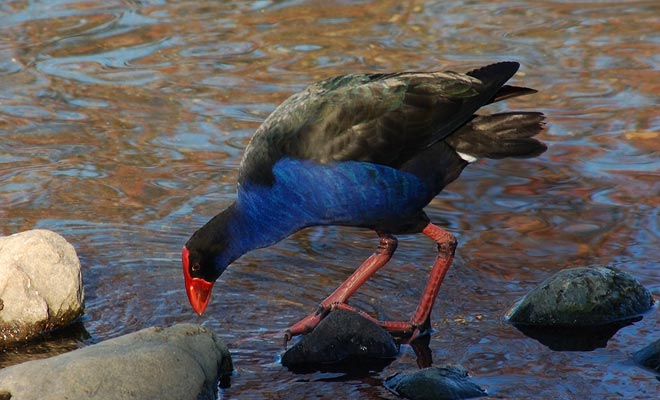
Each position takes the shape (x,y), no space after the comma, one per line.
(422,351)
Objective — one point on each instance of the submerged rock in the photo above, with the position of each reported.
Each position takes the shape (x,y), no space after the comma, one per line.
(343,338)
(184,361)
(581,308)
(649,356)
(435,383)
(40,285)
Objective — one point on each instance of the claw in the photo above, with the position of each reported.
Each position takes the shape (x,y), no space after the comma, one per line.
(287,337)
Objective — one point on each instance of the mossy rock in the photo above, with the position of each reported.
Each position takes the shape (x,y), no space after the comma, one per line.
(582,297)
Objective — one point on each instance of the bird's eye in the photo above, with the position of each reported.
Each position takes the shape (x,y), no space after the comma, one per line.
(195,267)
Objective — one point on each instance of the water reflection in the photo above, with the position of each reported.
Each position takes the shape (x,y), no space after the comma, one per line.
(422,351)
(348,369)
(50,343)
(575,338)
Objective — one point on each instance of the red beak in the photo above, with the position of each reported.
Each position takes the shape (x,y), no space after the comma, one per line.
(198,289)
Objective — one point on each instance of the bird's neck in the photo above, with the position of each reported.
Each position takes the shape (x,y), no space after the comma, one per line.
(264,216)
(247,224)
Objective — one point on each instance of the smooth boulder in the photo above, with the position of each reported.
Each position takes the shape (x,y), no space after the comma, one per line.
(435,383)
(40,285)
(583,297)
(342,339)
(580,309)
(184,361)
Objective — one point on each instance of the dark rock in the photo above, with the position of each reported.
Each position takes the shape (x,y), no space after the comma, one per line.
(580,309)
(583,296)
(343,338)
(435,383)
(184,361)
(649,356)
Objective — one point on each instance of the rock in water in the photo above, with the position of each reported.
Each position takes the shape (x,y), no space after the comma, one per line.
(435,383)
(580,309)
(40,285)
(184,361)
(649,356)
(583,297)
(343,337)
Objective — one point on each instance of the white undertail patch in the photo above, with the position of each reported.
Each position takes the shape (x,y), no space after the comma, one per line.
(467,157)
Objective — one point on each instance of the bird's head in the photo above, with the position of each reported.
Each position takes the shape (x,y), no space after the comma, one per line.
(211,249)
(199,271)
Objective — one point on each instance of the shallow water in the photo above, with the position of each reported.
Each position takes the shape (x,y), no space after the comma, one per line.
(122,124)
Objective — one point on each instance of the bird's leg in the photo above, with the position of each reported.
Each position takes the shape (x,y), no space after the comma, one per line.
(446,248)
(386,248)
(421,318)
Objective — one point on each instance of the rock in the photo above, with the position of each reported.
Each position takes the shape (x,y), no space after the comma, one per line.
(435,383)
(343,338)
(649,356)
(583,297)
(40,285)
(580,309)
(184,361)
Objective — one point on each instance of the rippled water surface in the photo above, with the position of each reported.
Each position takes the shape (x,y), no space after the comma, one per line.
(122,124)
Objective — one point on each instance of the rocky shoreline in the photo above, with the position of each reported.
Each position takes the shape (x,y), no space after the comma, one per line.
(41,290)
(184,361)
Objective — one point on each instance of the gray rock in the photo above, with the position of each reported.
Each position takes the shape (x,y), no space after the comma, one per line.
(583,297)
(342,336)
(180,362)
(40,285)
(649,356)
(435,383)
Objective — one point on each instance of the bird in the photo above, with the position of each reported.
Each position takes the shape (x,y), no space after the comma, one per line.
(367,150)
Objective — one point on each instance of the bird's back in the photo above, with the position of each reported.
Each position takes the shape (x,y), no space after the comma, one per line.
(385,119)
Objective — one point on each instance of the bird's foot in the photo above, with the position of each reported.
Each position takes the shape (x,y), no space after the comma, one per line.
(404,331)
(306,324)
(310,322)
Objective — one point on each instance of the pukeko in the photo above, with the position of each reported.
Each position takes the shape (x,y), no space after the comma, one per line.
(363,150)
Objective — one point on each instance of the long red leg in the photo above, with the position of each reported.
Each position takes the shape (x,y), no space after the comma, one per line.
(446,248)
(410,329)
(386,248)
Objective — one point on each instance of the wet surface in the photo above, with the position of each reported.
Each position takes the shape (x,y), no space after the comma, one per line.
(122,124)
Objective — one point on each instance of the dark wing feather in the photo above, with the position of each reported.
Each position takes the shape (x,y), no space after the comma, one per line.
(384,121)
(509,91)
(379,118)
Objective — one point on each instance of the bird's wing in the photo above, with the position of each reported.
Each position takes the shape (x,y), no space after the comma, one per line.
(385,120)
(378,118)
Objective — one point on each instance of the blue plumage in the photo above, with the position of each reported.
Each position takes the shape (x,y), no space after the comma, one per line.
(342,193)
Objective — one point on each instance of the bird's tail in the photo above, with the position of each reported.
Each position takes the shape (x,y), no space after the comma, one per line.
(500,135)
